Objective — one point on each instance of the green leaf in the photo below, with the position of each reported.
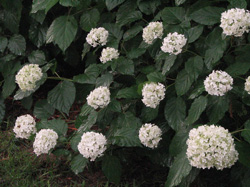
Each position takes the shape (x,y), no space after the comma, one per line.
(125,66)
(173,15)
(115,34)
(135,53)
(217,108)
(111,4)
(43,5)
(75,141)
(148,114)
(243,149)
(37,57)
(238,3)
(17,44)
(180,169)
(194,33)
(89,19)
(175,112)
(86,124)
(62,96)
(178,143)
(238,68)
(37,34)
(156,77)
(169,62)
(112,168)
(212,56)
(69,3)
(104,80)
(132,32)
(207,15)
(198,89)
(246,133)
(78,163)
(90,75)
(39,16)
(43,110)
(27,102)
(128,93)
(114,106)
(58,125)
(179,2)
(2,109)
(85,110)
(3,43)
(183,82)
(194,66)
(196,109)
(187,181)
(129,17)
(62,31)
(148,7)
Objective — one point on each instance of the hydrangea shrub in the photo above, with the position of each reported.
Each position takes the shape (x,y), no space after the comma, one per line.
(147,74)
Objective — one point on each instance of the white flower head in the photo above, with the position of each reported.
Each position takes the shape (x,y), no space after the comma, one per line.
(152,94)
(25,126)
(173,43)
(152,31)
(218,83)
(27,77)
(97,36)
(150,135)
(211,146)
(99,97)
(235,22)
(92,145)
(109,54)
(247,85)
(45,140)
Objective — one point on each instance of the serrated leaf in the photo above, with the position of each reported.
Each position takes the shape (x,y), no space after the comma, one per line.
(43,110)
(104,80)
(128,93)
(17,44)
(111,4)
(129,34)
(148,114)
(37,57)
(243,149)
(217,108)
(197,90)
(86,124)
(69,3)
(2,109)
(89,19)
(148,7)
(246,133)
(78,163)
(175,112)
(238,68)
(62,96)
(208,15)
(3,43)
(43,5)
(112,168)
(179,2)
(194,33)
(194,66)
(169,62)
(114,106)
(37,34)
(62,31)
(180,169)
(178,142)
(123,18)
(58,125)
(156,77)
(125,66)
(27,102)
(196,109)
(238,3)
(183,82)
(75,141)
(135,53)
(173,15)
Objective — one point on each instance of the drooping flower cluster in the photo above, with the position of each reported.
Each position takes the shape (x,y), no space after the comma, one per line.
(247,85)
(109,54)
(150,135)
(27,77)
(92,145)
(235,22)
(99,97)
(211,146)
(45,140)
(173,43)
(152,31)
(97,36)
(152,94)
(25,126)
(218,83)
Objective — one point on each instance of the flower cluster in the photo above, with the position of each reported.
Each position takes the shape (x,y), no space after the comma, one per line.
(27,77)
(150,135)
(45,140)
(152,94)
(152,31)
(92,145)
(235,22)
(218,83)
(211,146)
(97,36)
(25,126)
(99,97)
(247,85)
(173,43)
(109,54)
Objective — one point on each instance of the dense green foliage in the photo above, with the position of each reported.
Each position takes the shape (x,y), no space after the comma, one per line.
(52,33)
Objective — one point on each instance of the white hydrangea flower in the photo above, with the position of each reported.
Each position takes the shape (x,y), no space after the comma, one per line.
(27,77)
(25,126)
(109,54)
(235,22)
(211,146)
(92,145)
(247,85)
(152,31)
(173,43)
(45,140)
(97,36)
(218,83)
(150,135)
(99,97)
(152,94)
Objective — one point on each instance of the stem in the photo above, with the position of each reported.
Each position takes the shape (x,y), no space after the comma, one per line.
(170,85)
(240,131)
(60,78)
(170,79)
(240,78)
(193,53)
(237,139)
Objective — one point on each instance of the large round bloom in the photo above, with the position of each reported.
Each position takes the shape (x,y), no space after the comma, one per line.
(25,126)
